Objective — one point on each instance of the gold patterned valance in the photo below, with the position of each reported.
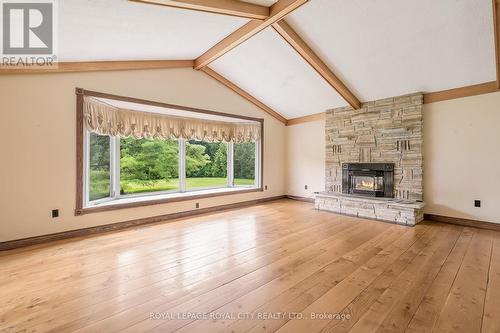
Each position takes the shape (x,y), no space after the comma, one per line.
(106,119)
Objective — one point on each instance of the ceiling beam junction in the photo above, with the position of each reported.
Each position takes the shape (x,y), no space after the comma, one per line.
(276,12)
(299,45)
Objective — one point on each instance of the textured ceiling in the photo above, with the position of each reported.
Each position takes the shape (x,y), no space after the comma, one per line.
(379,48)
(383,48)
(268,68)
(125,30)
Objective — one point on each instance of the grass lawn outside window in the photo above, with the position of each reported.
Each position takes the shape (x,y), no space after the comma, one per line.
(100,184)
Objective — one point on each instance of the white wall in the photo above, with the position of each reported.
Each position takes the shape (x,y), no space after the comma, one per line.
(38,145)
(305,158)
(461,157)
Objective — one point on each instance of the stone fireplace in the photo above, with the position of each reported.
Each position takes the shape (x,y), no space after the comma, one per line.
(374,160)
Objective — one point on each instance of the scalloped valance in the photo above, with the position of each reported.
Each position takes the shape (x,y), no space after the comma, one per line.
(105,119)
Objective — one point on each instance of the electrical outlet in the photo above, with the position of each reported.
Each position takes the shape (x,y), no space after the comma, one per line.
(197,205)
(477,203)
(55,213)
(305,187)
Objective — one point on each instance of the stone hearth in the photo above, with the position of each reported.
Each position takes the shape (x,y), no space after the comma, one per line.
(398,211)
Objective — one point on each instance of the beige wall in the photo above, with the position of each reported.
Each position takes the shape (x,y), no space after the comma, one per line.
(305,158)
(461,157)
(37,167)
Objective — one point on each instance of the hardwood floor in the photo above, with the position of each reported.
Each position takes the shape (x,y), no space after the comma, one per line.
(264,268)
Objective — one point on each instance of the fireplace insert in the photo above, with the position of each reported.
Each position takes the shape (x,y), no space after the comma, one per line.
(368,179)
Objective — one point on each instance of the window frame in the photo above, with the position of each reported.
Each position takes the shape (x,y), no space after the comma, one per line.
(84,205)
(115,180)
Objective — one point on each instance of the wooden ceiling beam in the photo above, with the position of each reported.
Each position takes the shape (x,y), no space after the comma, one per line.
(277,11)
(496,29)
(306,119)
(96,66)
(430,97)
(287,32)
(477,89)
(243,94)
(224,7)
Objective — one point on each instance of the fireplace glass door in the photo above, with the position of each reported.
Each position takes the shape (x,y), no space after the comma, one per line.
(368,183)
(368,179)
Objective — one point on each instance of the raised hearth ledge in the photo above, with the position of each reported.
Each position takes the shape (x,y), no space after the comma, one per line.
(403,212)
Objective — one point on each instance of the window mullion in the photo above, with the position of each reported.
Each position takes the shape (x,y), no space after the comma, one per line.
(86,168)
(115,173)
(230,164)
(182,165)
(258,156)
(112,167)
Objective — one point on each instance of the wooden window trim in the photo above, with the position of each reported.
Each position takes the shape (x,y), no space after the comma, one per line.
(81,210)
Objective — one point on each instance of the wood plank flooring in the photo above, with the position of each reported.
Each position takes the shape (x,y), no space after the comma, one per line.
(276,267)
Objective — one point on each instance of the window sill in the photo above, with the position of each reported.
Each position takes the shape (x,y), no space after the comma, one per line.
(162,199)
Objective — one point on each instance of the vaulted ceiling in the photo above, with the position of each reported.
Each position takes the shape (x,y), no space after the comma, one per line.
(92,30)
(377,48)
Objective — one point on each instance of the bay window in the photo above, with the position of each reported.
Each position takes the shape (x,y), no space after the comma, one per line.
(131,155)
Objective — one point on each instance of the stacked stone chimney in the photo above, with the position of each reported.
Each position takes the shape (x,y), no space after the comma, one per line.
(384,131)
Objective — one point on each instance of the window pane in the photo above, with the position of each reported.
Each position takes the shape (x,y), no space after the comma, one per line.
(99,175)
(244,164)
(206,164)
(148,165)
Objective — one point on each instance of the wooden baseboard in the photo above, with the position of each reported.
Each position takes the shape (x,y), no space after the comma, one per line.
(295,197)
(464,222)
(13,244)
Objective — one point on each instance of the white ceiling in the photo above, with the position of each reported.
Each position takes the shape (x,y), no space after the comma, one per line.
(379,48)
(271,71)
(383,48)
(124,30)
